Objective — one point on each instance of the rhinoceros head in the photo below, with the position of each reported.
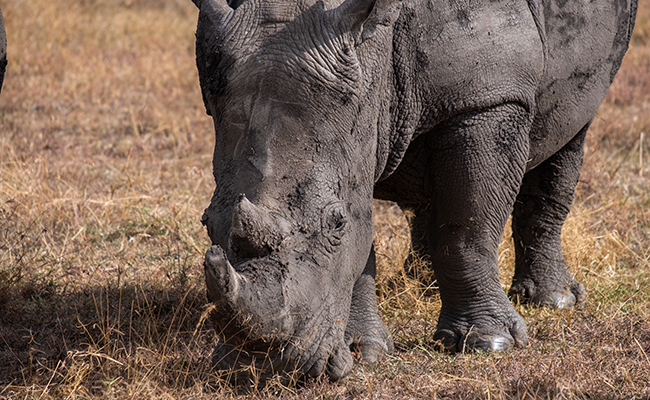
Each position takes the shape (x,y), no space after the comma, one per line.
(294,164)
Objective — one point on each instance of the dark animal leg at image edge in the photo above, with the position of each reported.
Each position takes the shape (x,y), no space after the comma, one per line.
(3,51)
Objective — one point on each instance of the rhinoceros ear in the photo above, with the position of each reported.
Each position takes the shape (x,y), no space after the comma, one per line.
(351,15)
(362,17)
(235,3)
(220,7)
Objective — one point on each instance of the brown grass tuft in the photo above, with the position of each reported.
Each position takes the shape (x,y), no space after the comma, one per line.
(105,154)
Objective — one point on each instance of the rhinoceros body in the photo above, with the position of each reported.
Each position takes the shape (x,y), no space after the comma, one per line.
(464,112)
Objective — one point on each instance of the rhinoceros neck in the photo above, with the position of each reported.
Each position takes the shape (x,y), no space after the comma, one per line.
(396,96)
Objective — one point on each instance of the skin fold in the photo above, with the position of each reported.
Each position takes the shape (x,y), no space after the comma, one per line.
(465,113)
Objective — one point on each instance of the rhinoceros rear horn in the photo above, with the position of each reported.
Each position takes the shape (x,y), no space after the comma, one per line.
(256,232)
(353,13)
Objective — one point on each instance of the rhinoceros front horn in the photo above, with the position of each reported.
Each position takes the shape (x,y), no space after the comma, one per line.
(222,281)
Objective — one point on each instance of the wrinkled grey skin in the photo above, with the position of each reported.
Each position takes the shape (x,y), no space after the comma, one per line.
(465,112)
(3,50)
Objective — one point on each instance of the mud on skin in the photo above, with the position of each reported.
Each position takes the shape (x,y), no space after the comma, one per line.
(465,114)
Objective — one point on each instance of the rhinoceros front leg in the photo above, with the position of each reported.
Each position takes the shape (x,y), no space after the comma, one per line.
(541,276)
(366,331)
(476,166)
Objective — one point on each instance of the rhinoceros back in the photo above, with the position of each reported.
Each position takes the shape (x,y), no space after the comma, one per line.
(584,45)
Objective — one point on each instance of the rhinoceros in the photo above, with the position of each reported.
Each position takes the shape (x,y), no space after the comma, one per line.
(465,112)
(3,50)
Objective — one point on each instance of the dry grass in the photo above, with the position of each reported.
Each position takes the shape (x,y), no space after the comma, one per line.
(104,172)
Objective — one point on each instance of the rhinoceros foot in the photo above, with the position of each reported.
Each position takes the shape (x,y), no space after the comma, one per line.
(559,293)
(484,328)
(374,345)
(366,332)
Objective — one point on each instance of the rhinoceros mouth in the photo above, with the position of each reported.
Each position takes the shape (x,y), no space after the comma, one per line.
(290,361)
(261,331)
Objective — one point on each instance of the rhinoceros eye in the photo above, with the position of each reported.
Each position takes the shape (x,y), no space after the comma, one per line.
(334,222)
